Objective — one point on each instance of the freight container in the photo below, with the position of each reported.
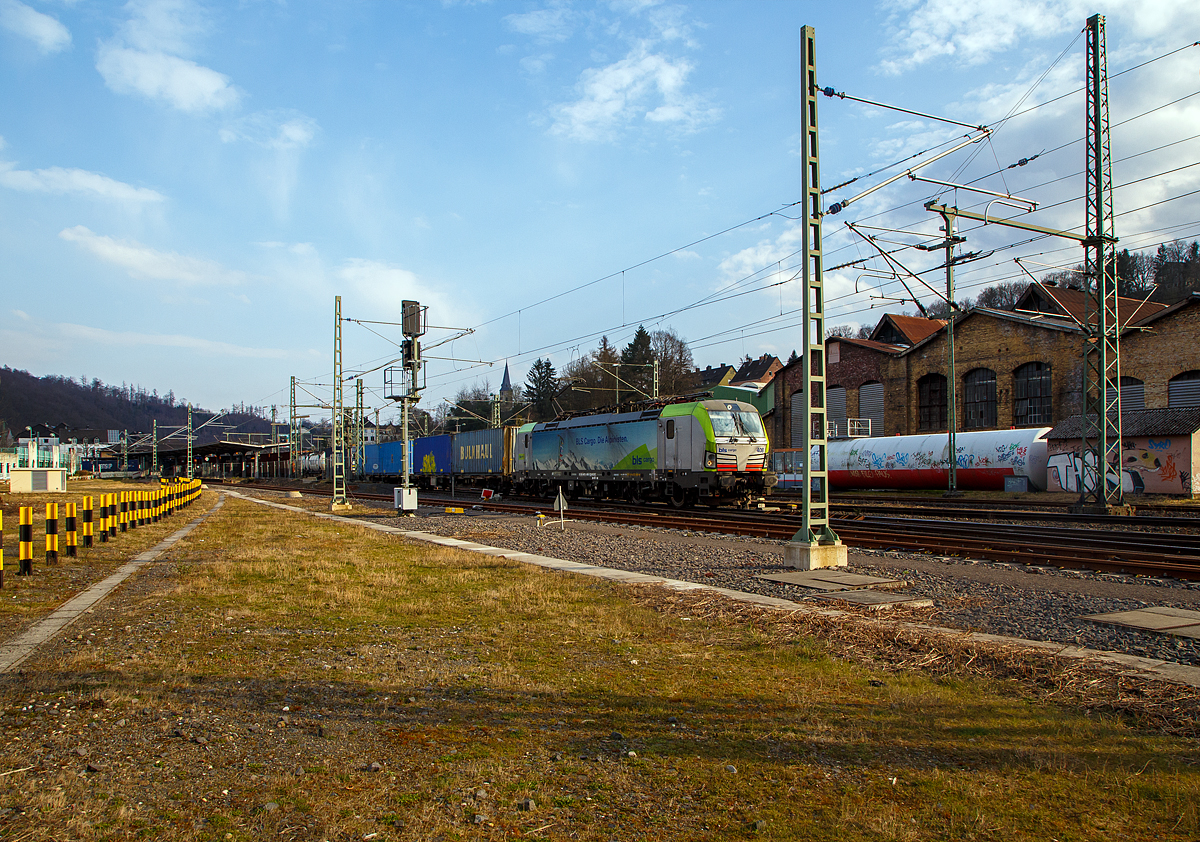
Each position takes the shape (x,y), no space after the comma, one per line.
(385,459)
(482,452)
(431,455)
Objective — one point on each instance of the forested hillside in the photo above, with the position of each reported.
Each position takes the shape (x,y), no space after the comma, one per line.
(26,400)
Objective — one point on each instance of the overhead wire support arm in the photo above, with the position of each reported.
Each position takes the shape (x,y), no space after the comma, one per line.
(950,210)
(838,207)
(830,92)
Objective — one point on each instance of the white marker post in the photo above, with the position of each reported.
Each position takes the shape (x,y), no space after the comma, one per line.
(560,506)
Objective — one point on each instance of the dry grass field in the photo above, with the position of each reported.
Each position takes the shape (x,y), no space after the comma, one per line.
(287,678)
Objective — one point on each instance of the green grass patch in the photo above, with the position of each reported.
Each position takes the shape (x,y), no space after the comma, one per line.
(296,673)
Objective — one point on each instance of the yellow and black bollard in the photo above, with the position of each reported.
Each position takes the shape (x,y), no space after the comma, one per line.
(88,514)
(25,542)
(103,521)
(1,549)
(112,516)
(52,533)
(124,511)
(72,532)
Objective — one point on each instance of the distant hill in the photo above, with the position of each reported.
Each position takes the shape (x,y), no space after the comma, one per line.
(26,400)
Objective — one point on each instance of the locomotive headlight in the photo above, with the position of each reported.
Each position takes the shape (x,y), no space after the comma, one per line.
(710,460)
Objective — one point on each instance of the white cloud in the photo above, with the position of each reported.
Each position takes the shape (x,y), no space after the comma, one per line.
(82,182)
(535,64)
(972,32)
(48,34)
(178,81)
(150,57)
(168,26)
(21,314)
(938,29)
(546,24)
(130,339)
(279,129)
(641,84)
(144,262)
(381,287)
(285,133)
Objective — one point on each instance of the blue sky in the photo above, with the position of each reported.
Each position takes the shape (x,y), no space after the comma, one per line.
(185,186)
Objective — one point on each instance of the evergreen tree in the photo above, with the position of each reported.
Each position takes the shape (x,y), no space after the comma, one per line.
(638,354)
(541,385)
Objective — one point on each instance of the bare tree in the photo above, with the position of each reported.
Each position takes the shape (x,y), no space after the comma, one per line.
(1001,296)
(675,362)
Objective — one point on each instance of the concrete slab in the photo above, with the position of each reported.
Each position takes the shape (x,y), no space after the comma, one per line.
(877,601)
(827,579)
(1178,621)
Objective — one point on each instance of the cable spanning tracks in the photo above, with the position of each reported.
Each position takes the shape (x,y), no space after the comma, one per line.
(1175,555)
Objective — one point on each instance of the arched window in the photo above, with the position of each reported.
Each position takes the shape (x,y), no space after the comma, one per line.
(1032,405)
(1183,390)
(931,402)
(835,409)
(1133,393)
(979,399)
(870,405)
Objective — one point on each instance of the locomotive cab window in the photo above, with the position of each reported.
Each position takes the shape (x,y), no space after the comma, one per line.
(671,429)
(737,423)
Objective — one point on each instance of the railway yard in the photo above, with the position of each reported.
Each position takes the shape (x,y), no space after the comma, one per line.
(1009,588)
(275,671)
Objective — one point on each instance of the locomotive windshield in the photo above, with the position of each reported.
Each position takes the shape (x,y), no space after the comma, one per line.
(736,423)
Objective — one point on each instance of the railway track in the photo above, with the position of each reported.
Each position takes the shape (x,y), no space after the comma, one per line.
(1173,555)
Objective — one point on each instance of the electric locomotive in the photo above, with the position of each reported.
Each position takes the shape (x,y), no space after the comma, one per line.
(690,451)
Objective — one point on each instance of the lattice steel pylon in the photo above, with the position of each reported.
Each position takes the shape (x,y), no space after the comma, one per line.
(189,443)
(815,529)
(338,416)
(294,436)
(359,455)
(1101,445)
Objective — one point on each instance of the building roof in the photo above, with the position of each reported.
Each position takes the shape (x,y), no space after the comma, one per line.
(1046,322)
(757,371)
(1138,422)
(712,375)
(885,347)
(1070,302)
(506,383)
(1192,299)
(910,328)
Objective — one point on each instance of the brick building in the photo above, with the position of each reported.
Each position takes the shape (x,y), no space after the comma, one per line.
(1020,368)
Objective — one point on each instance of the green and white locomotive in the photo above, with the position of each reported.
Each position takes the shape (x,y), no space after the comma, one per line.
(711,451)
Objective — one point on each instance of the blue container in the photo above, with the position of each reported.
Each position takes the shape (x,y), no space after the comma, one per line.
(482,451)
(432,455)
(384,459)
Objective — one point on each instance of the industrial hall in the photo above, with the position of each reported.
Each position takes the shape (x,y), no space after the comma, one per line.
(1016,368)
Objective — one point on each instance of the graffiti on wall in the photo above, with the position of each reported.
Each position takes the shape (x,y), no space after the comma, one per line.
(1149,465)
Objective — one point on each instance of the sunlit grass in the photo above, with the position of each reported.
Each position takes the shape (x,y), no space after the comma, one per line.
(459,672)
